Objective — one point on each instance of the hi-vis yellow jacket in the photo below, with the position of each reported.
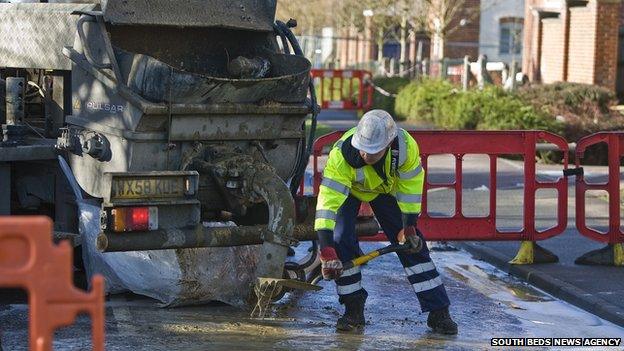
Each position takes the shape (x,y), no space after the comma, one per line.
(340,179)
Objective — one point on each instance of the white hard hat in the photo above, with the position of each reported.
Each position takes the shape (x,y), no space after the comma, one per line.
(375,131)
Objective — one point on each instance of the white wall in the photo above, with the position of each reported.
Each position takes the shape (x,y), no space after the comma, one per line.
(489,33)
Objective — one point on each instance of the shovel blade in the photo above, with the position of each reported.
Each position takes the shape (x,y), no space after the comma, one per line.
(266,288)
(289,283)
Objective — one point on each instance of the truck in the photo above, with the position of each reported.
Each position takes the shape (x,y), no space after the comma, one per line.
(138,125)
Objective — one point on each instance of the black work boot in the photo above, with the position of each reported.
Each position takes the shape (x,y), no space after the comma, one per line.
(353,318)
(440,321)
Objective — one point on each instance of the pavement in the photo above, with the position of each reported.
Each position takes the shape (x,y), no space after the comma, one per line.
(596,289)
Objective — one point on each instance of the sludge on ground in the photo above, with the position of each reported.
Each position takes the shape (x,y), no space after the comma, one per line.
(486,303)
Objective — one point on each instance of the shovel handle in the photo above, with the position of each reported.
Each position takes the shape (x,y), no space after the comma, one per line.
(358,261)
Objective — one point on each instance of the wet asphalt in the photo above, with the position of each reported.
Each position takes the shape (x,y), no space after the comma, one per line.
(486,303)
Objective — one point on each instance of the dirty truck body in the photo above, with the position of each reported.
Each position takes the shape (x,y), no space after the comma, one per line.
(169,115)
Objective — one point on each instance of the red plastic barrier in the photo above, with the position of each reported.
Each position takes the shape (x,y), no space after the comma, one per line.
(29,261)
(347,90)
(615,144)
(491,143)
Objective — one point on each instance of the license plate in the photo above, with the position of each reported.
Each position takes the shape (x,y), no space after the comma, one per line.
(138,188)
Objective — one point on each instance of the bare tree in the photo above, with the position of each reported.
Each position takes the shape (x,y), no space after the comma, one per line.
(379,17)
(311,15)
(441,18)
(384,19)
(375,19)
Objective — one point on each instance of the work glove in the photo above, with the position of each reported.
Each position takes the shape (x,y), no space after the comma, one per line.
(331,266)
(408,235)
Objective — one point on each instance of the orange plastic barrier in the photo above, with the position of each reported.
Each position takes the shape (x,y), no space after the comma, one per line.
(494,144)
(615,144)
(30,261)
(343,89)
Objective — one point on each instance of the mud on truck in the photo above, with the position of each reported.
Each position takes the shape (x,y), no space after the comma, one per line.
(165,138)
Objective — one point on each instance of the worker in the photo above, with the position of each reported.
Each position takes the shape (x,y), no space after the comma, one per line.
(377,163)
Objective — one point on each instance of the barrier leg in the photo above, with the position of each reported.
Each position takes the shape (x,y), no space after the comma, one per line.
(610,255)
(618,253)
(530,253)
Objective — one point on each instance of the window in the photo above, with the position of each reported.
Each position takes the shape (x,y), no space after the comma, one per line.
(510,35)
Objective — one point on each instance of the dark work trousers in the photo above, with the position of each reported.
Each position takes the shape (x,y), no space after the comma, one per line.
(421,272)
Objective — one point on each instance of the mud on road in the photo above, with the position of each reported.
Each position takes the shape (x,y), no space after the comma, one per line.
(486,303)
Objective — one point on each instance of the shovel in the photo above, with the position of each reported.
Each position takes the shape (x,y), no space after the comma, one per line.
(266,288)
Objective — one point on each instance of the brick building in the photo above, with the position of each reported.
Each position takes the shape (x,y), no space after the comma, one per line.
(464,29)
(572,41)
(461,38)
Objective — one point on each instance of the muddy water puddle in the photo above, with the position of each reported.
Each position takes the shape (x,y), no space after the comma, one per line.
(490,283)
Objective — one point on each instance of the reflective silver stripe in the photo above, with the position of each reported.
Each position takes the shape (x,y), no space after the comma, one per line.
(351,271)
(411,198)
(332,184)
(419,268)
(326,214)
(402,147)
(339,143)
(348,289)
(359,175)
(410,174)
(427,284)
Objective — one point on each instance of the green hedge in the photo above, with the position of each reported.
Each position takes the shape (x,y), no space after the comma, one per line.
(440,103)
(392,85)
(564,98)
(420,99)
(584,109)
(568,109)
